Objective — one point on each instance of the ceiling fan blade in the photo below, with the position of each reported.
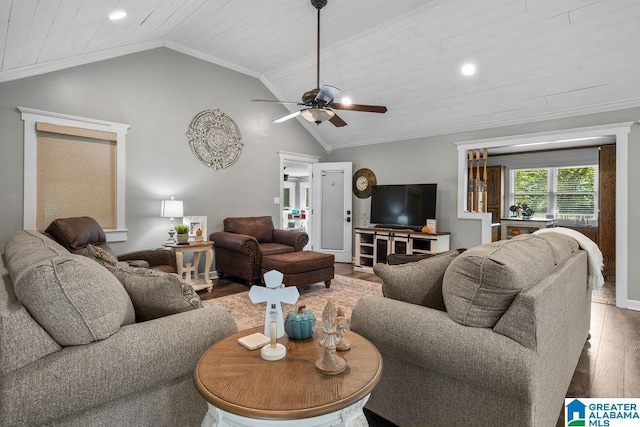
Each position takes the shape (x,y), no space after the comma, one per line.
(277,102)
(285,118)
(359,107)
(337,121)
(327,93)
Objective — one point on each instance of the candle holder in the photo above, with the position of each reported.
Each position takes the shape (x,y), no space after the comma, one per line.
(274,350)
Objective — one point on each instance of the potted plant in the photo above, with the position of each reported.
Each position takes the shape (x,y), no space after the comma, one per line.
(521,209)
(526,211)
(183,233)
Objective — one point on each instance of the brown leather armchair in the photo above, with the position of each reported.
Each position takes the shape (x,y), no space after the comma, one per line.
(76,233)
(246,240)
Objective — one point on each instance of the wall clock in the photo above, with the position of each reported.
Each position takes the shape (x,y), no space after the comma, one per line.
(215,139)
(363,181)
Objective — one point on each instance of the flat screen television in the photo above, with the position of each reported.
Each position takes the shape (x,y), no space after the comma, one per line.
(403,205)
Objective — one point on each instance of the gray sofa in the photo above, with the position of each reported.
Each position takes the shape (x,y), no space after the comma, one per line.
(71,354)
(488,337)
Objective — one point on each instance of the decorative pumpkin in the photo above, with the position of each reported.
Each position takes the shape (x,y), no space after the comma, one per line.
(299,323)
(425,229)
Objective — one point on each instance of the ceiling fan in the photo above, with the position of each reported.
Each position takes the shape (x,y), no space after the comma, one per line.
(318,103)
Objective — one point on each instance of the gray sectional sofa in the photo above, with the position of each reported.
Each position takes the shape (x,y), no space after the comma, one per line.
(489,337)
(71,353)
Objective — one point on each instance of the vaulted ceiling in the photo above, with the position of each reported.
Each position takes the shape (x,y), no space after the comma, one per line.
(535,59)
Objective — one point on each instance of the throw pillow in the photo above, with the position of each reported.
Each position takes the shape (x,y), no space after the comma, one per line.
(74,299)
(480,285)
(153,293)
(417,282)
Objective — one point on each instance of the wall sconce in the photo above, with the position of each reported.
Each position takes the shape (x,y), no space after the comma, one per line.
(170,209)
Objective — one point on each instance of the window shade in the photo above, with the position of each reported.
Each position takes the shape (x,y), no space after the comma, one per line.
(76,175)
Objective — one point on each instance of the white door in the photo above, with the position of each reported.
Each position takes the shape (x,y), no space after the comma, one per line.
(331,209)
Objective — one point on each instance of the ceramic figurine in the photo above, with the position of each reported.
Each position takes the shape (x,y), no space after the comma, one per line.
(343,344)
(330,363)
(274,294)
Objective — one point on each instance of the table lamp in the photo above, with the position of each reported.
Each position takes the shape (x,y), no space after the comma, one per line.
(170,209)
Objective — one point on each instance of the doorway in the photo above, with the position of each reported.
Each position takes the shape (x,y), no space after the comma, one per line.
(296,193)
(552,139)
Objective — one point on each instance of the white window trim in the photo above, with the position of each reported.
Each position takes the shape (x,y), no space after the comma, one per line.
(30,118)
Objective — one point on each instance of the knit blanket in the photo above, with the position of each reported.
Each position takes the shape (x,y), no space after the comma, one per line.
(595,279)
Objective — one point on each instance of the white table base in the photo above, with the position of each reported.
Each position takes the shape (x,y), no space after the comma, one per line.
(351,416)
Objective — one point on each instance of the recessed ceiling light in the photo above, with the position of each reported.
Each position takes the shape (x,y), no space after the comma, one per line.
(468,69)
(118,14)
(346,101)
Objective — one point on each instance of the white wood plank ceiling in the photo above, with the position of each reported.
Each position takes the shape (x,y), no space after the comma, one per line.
(536,59)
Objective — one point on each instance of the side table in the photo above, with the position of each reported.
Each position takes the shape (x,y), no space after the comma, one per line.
(244,390)
(186,271)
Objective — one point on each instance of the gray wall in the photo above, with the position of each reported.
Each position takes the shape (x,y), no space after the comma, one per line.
(158,92)
(434,159)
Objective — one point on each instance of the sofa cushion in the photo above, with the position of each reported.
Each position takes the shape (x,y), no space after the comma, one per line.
(153,293)
(260,227)
(28,248)
(75,299)
(560,245)
(22,339)
(480,285)
(417,282)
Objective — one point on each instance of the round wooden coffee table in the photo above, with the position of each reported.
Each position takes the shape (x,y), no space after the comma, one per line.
(244,390)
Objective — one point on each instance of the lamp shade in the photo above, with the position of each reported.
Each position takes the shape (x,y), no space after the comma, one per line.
(317,115)
(172,208)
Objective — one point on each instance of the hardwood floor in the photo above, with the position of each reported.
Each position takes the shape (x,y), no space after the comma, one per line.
(609,365)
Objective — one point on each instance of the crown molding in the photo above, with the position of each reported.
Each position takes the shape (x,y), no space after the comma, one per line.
(61,64)
(209,58)
(532,118)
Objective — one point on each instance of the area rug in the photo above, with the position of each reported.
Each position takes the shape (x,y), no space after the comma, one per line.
(345,292)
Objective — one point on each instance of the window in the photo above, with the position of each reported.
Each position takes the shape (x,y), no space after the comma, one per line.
(559,192)
(74,166)
(305,190)
(87,188)
(289,195)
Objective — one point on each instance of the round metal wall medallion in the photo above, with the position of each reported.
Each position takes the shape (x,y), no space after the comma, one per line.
(215,139)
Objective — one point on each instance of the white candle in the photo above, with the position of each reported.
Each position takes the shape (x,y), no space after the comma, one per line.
(274,333)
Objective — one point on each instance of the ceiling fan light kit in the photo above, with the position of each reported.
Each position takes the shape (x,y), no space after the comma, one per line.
(318,103)
(317,115)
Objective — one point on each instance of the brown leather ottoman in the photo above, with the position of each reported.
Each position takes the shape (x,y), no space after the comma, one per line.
(301,268)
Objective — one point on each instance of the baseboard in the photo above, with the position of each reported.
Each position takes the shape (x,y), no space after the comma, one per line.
(633,304)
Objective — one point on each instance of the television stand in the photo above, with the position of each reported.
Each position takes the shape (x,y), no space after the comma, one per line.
(374,244)
(398,227)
